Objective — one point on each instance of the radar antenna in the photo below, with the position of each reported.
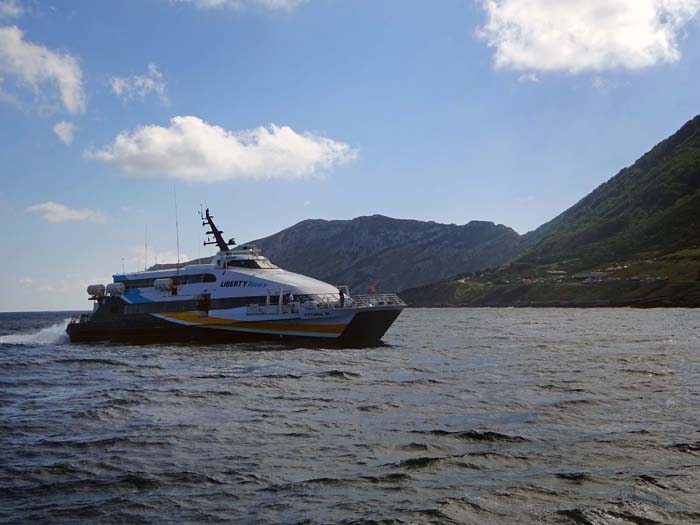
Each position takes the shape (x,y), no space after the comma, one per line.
(208,220)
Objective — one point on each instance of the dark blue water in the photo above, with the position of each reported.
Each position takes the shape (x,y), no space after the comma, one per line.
(466,416)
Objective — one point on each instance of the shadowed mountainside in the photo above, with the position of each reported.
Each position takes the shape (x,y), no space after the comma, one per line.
(635,240)
(394,253)
(651,206)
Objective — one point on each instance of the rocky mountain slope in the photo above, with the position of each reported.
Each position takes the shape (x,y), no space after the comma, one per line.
(395,253)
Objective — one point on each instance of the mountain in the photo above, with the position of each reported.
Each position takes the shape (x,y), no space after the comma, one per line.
(394,253)
(635,239)
(652,206)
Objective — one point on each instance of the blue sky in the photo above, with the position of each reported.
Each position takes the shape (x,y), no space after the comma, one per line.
(504,110)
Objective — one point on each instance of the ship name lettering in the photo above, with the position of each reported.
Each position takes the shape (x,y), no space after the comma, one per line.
(229,284)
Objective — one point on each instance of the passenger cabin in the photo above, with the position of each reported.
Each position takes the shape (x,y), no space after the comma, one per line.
(246,256)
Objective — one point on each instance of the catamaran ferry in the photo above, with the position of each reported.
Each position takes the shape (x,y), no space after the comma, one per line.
(239,296)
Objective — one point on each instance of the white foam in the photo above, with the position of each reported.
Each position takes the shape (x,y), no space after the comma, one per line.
(51,335)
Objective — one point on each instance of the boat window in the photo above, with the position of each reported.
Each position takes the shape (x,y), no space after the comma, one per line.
(319,298)
(178,280)
(194,279)
(242,263)
(257,264)
(138,283)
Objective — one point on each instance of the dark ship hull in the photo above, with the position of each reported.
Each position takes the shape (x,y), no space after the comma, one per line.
(365,329)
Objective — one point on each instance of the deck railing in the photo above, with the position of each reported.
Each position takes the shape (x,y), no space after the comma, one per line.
(380,299)
(354,301)
(363,300)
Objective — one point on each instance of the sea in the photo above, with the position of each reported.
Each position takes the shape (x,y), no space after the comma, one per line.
(586,416)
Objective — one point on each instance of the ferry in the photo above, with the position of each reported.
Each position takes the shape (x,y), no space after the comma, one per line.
(239,296)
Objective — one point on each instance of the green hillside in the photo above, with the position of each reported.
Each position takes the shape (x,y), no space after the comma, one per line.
(635,240)
(650,207)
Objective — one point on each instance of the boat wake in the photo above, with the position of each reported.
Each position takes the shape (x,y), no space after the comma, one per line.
(50,335)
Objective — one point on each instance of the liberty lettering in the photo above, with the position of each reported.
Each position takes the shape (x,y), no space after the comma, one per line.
(229,284)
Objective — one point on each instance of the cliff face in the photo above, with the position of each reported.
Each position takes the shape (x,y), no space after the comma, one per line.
(394,253)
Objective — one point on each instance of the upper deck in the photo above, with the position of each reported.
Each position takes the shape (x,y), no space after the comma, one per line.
(248,256)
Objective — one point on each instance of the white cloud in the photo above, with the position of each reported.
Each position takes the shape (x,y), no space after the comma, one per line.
(36,65)
(140,86)
(10,9)
(576,36)
(240,4)
(64,131)
(603,84)
(56,212)
(7,98)
(529,77)
(191,149)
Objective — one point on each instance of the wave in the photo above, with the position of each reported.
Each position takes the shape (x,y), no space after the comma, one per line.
(577,477)
(474,435)
(90,361)
(339,374)
(50,335)
(415,463)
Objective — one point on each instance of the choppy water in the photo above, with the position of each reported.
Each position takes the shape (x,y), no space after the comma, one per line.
(467,416)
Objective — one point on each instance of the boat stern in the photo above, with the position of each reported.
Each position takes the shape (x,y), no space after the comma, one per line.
(373,316)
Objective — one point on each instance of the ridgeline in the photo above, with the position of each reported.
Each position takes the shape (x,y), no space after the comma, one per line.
(395,253)
(633,241)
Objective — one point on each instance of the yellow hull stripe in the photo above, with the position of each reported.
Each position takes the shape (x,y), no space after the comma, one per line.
(280,326)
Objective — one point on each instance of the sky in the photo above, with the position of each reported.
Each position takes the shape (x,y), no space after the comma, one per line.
(274,111)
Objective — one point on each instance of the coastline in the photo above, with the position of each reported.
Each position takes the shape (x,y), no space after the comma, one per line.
(546,295)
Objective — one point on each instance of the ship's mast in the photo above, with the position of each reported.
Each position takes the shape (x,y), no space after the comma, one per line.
(208,220)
